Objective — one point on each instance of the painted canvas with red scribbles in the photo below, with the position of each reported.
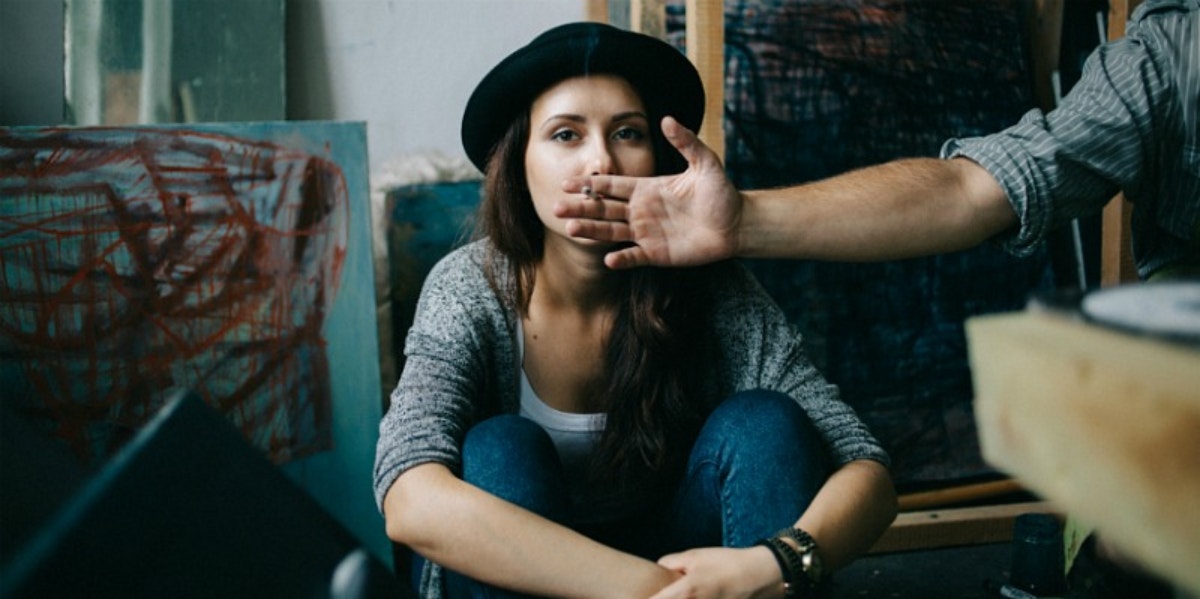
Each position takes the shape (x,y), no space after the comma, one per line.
(233,260)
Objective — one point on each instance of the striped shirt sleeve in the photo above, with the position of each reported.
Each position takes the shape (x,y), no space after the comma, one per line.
(1130,125)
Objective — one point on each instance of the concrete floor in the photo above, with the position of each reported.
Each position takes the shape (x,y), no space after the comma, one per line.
(955,573)
(964,573)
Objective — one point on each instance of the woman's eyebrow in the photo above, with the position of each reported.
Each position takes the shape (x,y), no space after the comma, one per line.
(563,116)
(632,114)
(579,118)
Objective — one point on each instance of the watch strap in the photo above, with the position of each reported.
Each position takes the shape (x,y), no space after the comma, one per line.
(811,570)
(795,583)
(802,538)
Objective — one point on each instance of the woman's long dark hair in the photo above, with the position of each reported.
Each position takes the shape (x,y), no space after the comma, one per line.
(651,401)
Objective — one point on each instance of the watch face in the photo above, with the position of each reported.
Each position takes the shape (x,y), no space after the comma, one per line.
(810,554)
(812,564)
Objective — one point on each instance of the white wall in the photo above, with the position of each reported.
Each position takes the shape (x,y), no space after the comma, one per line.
(405,67)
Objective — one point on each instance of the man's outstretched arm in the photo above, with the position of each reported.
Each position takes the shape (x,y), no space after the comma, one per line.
(899,209)
(676,220)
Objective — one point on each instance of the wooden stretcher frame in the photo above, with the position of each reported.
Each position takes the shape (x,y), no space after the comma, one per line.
(1116,250)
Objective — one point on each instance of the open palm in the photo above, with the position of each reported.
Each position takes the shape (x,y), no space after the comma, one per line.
(675,220)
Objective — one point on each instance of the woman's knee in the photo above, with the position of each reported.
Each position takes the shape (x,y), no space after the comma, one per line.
(514,459)
(503,436)
(757,464)
(766,424)
(751,413)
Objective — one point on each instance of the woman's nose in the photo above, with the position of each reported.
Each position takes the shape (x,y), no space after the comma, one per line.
(601,161)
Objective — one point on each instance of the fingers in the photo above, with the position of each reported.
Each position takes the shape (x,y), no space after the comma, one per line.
(600,230)
(607,186)
(679,588)
(601,209)
(625,258)
(673,561)
(682,587)
(685,140)
(630,257)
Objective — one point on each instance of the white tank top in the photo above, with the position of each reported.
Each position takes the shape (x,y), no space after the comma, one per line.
(575,436)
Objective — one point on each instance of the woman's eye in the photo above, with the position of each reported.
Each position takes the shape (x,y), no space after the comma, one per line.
(629,133)
(564,135)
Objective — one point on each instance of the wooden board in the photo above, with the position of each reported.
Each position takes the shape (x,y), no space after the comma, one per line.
(1104,424)
(935,529)
(957,494)
(1116,248)
(706,49)
(649,17)
(596,10)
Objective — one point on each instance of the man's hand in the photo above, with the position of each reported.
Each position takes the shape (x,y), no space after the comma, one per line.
(676,220)
(718,572)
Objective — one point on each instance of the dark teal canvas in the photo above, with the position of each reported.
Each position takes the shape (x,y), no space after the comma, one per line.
(232,260)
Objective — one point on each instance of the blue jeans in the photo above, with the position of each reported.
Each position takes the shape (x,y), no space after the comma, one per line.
(755,467)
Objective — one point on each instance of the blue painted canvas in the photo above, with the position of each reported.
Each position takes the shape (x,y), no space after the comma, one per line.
(230,259)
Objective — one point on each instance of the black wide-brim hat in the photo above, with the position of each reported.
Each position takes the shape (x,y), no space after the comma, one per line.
(666,80)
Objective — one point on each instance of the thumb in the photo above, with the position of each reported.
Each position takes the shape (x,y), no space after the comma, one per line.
(673,561)
(682,587)
(684,140)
